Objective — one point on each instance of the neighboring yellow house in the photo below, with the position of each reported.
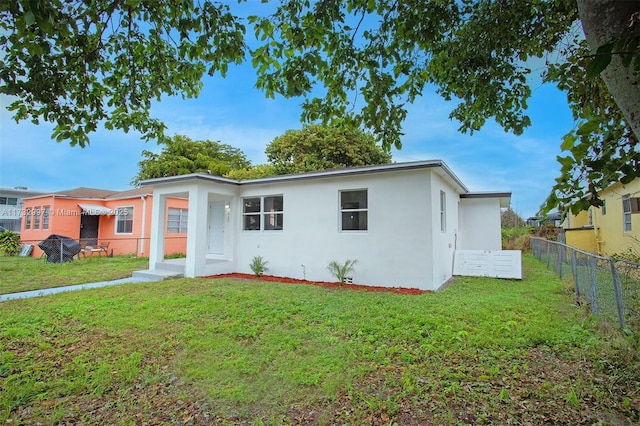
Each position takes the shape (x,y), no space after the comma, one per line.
(610,229)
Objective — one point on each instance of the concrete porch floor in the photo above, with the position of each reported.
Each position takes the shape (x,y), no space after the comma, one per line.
(173,268)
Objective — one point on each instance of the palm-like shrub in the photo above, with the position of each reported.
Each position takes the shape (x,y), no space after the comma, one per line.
(258,265)
(341,270)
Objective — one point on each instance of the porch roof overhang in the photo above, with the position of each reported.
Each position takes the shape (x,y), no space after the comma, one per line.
(96,209)
(503,197)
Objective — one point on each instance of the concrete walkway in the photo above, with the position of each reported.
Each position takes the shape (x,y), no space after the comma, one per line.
(47,291)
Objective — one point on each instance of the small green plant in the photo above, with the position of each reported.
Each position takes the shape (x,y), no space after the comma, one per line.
(258,266)
(9,243)
(630,255)
(340,270)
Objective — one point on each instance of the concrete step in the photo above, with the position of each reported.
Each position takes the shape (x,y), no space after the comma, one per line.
(170,266)
(157,274)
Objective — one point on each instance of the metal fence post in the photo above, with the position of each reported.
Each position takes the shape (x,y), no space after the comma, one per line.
(574,270)
(592,278)
(560,258)
(616,291)
(61,251)
(548,254)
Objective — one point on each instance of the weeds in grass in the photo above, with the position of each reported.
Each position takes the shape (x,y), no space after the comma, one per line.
(483,351)
(28,273)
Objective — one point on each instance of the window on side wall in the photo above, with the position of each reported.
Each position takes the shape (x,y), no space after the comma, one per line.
(9,201)
(177,221)
(443,211)
(27,221)
(251,214)
(273,211)
(45,217)
(263,213)
(36,218)
(626,213)
(124,220)
(354,210)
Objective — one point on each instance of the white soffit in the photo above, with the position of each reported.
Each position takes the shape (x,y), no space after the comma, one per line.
(488,263)
(96,209)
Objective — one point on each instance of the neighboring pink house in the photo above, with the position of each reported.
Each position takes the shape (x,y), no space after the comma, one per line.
(121,218)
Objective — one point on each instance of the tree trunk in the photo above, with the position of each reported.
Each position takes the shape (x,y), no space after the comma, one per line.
(603,20)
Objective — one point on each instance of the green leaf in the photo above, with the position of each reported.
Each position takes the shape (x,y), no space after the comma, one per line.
(588,127)
(29,18)
(568,141)
(600,60)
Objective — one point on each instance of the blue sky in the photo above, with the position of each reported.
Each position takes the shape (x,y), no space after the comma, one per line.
(232,111)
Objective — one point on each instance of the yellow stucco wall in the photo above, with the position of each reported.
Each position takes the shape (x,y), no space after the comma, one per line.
(601,229)
(576,221)
(582,239)
(611,235)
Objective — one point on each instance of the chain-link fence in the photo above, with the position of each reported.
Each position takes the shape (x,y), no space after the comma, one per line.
(610,286)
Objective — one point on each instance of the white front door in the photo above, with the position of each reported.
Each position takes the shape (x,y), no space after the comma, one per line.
(216,227)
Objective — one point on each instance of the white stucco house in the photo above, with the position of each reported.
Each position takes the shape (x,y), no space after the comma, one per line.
(402,222)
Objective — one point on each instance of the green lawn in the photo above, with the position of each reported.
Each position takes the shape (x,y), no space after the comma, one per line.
(27,273)
(201,351)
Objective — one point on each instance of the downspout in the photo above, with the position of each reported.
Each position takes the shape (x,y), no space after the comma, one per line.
(144,222)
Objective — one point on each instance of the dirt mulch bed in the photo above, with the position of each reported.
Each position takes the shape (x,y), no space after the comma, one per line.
(333,285)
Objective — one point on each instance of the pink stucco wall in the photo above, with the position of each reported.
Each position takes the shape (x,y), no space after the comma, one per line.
(65,215)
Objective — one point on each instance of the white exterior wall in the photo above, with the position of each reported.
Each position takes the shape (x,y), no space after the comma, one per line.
(393,252)
(480,224)
(404,245)
(443,242)
(200,194)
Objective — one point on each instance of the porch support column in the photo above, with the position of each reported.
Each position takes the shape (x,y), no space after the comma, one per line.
(158,220)
(197,231)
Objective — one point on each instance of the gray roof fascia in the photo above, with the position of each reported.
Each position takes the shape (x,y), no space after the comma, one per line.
(190,176)
(486,195)
(503,197)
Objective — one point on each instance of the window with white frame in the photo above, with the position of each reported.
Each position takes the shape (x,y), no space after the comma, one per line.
(273,212)
(27,222)
(443,211)
(604,207)
(251,214)
(36,218)
(626,213)
(354,210)
(124,220)
(263,213)
(9,201)
(177,221)
(45,217)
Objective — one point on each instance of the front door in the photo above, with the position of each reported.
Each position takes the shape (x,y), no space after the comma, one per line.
(216,227)
(89,229)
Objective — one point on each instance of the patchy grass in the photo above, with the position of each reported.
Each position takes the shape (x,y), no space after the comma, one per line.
(28,273)
(201,351)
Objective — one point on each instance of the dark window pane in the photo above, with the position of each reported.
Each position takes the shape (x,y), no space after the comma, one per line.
(252,205)
(273,221)
(273,204)
(353,200)
(354,221)
(252,222)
